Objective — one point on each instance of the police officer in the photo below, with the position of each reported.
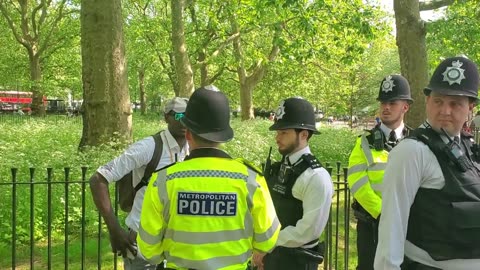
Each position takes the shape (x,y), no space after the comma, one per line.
(367,162)
(431,195)
(209,211)
(301,189)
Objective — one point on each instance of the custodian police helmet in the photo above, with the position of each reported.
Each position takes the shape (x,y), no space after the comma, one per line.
(295,113)
(394,87)
(455,76)
(208,115)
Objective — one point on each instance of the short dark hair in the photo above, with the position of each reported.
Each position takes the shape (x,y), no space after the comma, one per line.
(310,133)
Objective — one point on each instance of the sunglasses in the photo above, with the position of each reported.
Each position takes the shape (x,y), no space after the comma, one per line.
(177,116)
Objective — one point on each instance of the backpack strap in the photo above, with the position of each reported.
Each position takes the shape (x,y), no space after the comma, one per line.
(152,165)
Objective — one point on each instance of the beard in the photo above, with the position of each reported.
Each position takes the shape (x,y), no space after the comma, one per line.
(288,149)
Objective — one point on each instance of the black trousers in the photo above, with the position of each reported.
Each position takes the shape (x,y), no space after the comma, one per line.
(278,259)
(367,239)
(412,265)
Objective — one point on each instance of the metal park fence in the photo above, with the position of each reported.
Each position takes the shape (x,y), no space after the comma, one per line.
(50,222)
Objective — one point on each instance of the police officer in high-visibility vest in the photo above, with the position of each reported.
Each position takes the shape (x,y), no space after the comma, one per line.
(431,193)
(301,189)
(368,160)
(210,211)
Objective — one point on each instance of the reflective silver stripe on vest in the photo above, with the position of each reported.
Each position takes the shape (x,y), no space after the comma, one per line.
(366,149)
(379,166)
(157,259)
(212,263)
(252,186)
(197,238)
(377,187)
(207,173)
(261,237)
(362,181)
(148,238)
(163,194)
(161,186)
(357,168)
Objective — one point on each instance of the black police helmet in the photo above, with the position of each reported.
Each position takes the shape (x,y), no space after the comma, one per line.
(295,113)
(208,115)
(455,76)
(394,87)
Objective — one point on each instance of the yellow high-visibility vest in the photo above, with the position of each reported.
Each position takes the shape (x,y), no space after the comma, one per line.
(207,213)
(366,167)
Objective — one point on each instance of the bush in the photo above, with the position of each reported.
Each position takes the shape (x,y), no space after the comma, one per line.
(52,142)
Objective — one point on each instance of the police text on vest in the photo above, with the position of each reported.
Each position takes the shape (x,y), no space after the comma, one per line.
(207,204)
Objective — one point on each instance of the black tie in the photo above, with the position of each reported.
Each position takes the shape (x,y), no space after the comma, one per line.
(392,139)
(456,139)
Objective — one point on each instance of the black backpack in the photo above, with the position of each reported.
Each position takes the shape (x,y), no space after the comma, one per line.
(125,189)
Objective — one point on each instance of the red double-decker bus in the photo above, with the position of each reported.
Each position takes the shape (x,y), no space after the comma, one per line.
(11,101)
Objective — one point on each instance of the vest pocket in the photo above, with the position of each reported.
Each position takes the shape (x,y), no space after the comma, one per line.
(466,223)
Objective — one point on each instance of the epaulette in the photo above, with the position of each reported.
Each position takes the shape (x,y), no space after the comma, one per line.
(250,165)
(311,161)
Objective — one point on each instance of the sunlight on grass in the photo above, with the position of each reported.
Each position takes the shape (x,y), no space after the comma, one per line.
(52,142)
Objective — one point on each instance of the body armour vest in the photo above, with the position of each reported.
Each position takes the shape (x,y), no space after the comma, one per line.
(379,142)
(280,182)
(446,222)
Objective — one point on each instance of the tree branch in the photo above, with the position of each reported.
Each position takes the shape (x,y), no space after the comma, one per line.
(53,26)
(34,16)
(11,24)
(434,4)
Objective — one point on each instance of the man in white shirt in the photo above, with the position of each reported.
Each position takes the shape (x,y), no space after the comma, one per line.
(135,160)
(431,193)
(301,189)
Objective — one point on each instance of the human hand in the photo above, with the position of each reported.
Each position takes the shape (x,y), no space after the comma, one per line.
(257,259)
(122,242)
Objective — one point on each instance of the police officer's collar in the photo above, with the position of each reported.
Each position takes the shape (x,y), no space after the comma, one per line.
(294,157)
(398,131)
(426,124)
(207,152)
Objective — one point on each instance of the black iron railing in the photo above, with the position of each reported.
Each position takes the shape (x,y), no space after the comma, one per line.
(78,221)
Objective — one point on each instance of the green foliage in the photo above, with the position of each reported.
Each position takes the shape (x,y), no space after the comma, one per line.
(456,33)
(52,142)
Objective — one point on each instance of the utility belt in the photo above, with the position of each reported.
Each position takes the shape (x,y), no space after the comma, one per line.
(361,214)
(302,255)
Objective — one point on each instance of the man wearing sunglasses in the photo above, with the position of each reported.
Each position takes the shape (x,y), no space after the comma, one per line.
(135,160)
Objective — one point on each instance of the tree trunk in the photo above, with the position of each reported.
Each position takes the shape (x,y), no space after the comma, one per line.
(141,87)
(38,107)
(413,55)
(107,113)
(182,62)
(246,103)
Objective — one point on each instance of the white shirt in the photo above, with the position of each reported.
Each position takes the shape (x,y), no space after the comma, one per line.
(135,159)
(411,165)
(315,189)
(398,131)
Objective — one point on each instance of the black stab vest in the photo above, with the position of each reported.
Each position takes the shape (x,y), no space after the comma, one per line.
(446,222)
(289,209)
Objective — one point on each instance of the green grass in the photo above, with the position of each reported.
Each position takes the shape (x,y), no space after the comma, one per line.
(52,142)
